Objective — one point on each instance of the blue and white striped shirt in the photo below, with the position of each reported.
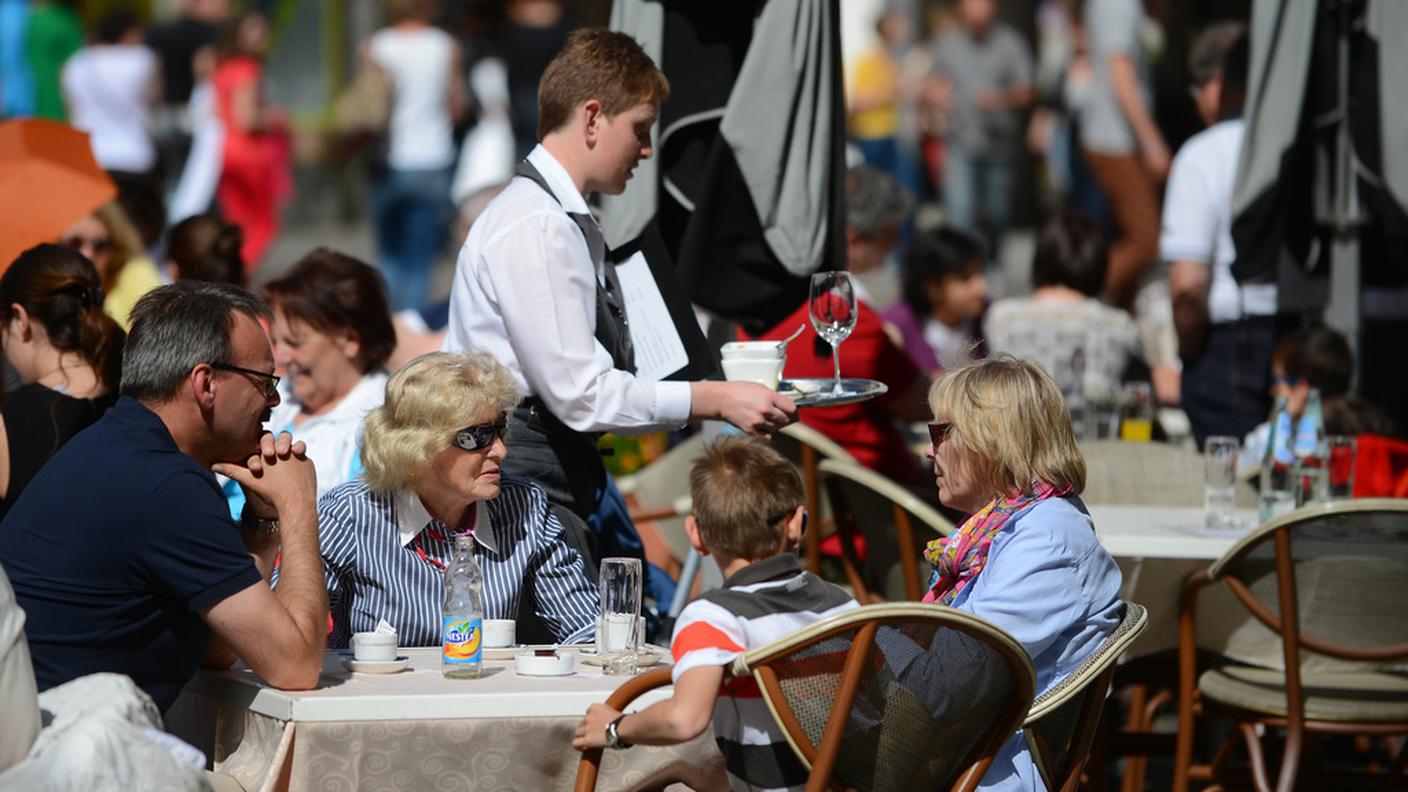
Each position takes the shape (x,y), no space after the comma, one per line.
(369,544)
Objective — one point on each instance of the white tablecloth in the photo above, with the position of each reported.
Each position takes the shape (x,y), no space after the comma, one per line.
(1157,548)
(412,730)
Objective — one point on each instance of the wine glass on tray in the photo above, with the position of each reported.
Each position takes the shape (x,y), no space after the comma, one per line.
(833,312)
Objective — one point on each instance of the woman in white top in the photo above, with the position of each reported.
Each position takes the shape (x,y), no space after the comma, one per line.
(331,334)
(411,202)
(111,87)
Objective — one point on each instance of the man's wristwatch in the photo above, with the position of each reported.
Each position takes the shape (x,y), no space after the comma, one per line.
(257,524)
(613,740)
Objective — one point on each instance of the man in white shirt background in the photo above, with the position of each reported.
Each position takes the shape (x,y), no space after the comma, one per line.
(1225,330)
(533,287)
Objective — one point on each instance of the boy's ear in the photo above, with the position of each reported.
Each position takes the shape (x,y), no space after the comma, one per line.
(591,119)
(796,526)
(691,530)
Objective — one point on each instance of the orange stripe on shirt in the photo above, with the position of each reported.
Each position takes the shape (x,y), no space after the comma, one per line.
(701,635)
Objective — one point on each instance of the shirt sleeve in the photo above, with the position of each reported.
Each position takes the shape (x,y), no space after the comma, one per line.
(548,305)
(192,550)
(705,635)
(566,599)
(1189,227)
(1114,31)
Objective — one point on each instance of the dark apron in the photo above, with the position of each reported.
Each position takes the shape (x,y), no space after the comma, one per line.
(564,462)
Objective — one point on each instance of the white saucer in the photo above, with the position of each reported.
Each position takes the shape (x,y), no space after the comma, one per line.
(375,666)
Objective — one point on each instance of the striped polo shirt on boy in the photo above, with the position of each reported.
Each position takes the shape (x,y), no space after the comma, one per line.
(759,604)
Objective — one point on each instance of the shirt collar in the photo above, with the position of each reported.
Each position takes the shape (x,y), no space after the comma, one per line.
(779,566)
(364,397)
(412,518)
(559,180)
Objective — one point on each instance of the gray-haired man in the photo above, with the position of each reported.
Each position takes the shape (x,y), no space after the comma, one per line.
(121,551)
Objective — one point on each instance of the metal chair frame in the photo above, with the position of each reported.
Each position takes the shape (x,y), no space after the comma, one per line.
(1191,704)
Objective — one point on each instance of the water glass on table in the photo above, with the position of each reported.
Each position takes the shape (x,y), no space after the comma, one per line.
(618,633)
(1343,452)
(1220,482)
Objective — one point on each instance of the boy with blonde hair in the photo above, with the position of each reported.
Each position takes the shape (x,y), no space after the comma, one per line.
(748,514)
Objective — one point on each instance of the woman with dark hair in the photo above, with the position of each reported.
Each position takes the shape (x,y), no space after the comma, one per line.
(67,352)
(1084,344)
(206,248)
(944,294)
(332,334)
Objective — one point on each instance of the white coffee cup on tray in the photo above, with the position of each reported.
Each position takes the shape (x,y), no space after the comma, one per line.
(754,361)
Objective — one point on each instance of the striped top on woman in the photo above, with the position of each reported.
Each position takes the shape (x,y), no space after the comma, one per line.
(384,556)
(758,604)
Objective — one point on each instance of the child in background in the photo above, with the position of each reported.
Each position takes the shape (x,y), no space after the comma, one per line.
(938,321)
(748,514)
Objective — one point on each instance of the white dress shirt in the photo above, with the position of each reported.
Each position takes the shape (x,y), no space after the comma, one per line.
(525,292)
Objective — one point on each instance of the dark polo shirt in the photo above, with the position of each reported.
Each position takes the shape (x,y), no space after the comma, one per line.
(114,548)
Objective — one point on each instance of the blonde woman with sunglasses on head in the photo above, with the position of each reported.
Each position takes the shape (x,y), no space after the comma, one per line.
(433,454)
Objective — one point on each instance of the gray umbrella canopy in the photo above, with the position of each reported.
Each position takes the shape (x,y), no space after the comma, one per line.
(1322,179)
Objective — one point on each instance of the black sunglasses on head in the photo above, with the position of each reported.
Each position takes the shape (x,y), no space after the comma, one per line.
(474,438)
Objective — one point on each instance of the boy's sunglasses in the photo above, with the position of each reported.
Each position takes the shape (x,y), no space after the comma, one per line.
(474,438)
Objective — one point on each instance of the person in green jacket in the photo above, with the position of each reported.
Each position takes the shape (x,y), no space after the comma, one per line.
(53,34)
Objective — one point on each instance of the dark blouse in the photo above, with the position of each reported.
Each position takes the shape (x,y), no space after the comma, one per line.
(38,421)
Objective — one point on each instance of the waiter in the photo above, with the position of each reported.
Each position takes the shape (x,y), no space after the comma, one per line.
(534,289)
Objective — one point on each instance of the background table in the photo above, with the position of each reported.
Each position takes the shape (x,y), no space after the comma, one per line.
(1157,547)
(412,730)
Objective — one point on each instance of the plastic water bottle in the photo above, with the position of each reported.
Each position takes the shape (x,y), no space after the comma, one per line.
(1278,466)
(462,614)
(1312,452)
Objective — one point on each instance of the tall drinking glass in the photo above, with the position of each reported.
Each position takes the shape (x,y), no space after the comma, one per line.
(833,312)
(1220,481)
(617,629)
(1137,417)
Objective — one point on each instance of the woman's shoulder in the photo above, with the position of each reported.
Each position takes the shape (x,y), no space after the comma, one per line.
(353,500)
(1055,526)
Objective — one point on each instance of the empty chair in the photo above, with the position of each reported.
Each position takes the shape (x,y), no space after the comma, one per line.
(1328,583)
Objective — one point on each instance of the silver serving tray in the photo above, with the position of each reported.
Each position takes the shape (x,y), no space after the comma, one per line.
(817,392)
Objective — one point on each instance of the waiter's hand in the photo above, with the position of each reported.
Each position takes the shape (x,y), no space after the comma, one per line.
(754,408)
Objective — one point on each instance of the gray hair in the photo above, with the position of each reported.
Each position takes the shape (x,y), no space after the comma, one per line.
(874,201)
(176,328)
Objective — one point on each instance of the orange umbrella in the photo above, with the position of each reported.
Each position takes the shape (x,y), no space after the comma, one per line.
(48,180)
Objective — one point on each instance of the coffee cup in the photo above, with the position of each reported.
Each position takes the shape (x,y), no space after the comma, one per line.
(373,647)
(499,633)
(754,361)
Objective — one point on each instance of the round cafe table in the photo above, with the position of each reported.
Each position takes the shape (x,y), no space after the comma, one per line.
(414,730)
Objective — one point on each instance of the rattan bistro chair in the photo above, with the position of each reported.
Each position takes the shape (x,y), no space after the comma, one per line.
(1329,582)
(1063,721)
(901,696)
(807,449)
(865,503)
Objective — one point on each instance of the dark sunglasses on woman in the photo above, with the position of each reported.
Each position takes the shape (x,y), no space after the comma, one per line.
(474,438)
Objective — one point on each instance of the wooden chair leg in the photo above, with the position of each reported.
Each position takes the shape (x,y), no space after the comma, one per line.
(1132,780)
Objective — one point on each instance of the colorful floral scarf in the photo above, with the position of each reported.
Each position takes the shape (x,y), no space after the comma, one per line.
(959,557)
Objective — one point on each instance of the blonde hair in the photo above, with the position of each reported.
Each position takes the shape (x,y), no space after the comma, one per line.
(126,243)
(742,489)
(1010,425)
(427,402)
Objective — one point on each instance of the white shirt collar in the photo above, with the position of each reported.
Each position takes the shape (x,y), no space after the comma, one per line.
(559,180)
(412,518)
